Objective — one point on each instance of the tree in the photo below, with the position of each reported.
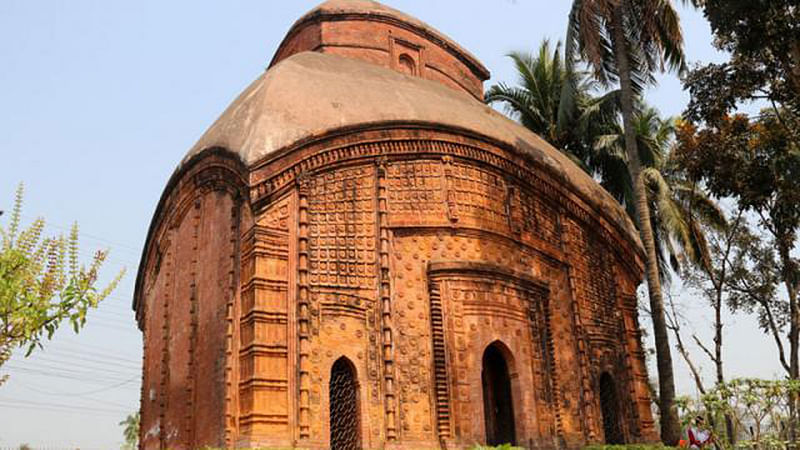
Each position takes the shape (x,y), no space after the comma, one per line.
(763,40)
(131,431)
(680,211)
(757,407)
(591,135)
(739,269)
(536,102)
(756,163)
(42,283)
(626,42)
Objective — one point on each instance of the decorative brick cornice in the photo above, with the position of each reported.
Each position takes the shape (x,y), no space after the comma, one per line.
(276,174)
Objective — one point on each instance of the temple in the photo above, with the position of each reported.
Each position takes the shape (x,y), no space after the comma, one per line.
(359,253)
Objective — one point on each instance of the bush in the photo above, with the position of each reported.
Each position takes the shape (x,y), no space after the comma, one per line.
(499,447)
(629,447)
(758,410)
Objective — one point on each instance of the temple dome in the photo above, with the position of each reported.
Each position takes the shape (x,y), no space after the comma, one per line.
(309,94)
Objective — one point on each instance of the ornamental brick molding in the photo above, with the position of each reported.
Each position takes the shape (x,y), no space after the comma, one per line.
(360,253)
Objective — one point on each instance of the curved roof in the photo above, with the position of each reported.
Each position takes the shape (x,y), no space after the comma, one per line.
(310,93)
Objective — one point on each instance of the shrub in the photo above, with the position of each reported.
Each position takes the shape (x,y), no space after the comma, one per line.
(629,447)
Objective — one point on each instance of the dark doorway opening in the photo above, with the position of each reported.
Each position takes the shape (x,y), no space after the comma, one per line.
(498,407)
(609,404)
(343,400)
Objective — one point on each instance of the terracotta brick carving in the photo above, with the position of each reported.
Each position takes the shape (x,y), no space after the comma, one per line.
(359,228)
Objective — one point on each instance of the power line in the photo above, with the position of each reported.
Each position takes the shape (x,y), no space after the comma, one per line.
(82,346)
(49,374)
(128,315)
(80,376)
(102,356)
(63,227)
(85,398)
(106,320)
(125,329)
(57,406)
(93,412)
(80,394)
(91,371)
(64,359)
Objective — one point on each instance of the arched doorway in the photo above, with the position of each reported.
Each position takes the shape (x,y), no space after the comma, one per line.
(498,407)
(609,406)
(343,400)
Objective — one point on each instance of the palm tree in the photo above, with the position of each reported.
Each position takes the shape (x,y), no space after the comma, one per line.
(626,42)
(592,135)
(131,430)
(536,102)
(680,210)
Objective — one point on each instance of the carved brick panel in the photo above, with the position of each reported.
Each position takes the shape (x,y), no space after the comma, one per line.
(343,317)
(341,215)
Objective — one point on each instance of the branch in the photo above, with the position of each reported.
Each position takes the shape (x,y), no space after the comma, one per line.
(704,348)
(776,334)
(674,325)
(766,223)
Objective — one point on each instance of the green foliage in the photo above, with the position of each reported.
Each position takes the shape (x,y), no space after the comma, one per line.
(42,283)
(763,39)
(626,42)
(131,431)
(759,409)
(591,134)
(498,447)
(538,102)
(756,163)
(629,447)
(680,211)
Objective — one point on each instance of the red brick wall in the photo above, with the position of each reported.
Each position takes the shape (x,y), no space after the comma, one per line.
(186,291)
(215,285)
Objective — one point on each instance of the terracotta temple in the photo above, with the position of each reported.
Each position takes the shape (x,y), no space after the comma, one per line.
(359,253)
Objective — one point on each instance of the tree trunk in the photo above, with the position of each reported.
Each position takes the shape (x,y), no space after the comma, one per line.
(795,67)
(729,430)
(670,429)
(719,288)
(790,281)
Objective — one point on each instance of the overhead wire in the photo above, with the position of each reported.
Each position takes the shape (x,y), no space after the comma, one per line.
(84,393)
(82,352)
(67,229)
(89,371)
(58,406)
(72,343)
(71,359)
(82,378)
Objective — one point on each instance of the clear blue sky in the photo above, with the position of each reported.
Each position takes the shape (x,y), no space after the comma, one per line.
(98,102)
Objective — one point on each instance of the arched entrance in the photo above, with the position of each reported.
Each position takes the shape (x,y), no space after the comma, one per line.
(343,400)
(498,407)
(609,405)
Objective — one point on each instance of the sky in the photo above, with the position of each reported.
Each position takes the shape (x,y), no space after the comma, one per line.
(100,100)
